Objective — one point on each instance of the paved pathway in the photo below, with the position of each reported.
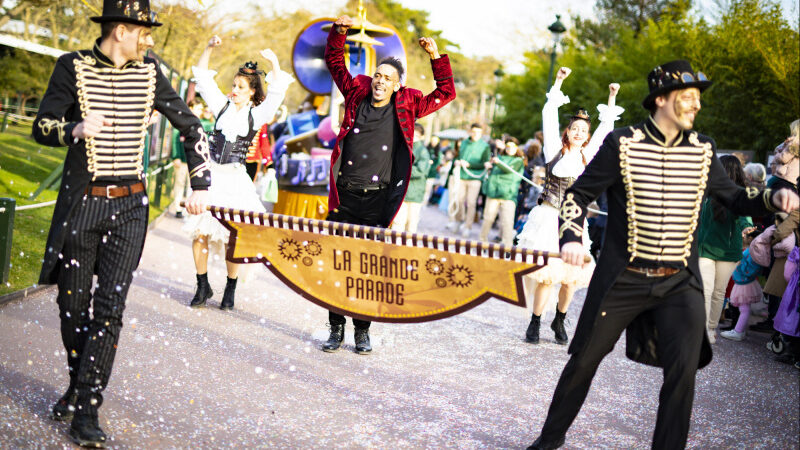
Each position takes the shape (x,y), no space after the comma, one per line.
(255,377)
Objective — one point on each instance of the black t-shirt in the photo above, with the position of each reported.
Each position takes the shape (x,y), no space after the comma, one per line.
(368,149)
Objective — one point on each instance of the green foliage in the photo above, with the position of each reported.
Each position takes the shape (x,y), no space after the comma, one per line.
(751,55)
(23,164)
(23,73)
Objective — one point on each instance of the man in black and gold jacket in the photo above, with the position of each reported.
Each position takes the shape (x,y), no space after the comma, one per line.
(647,280)
(98,103)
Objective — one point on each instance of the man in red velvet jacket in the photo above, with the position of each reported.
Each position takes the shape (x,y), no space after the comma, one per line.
(371,161)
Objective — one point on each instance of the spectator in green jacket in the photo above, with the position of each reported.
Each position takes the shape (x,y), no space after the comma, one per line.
(720,243)
(501,189)
(473,162)
(433,171)
(407,217)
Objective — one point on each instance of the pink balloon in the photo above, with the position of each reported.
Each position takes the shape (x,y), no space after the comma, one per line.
(325,133)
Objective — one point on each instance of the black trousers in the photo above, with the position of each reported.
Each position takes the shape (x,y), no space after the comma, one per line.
(358,207)
(677,305)
(105,235)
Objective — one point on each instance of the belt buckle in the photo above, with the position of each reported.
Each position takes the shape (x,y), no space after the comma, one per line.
(108,191)
(652,273)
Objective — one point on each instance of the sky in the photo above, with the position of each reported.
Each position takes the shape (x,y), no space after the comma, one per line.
(506,29)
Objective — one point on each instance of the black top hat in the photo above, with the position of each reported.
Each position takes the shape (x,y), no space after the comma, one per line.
(582,114)
(671,76)
(128,11)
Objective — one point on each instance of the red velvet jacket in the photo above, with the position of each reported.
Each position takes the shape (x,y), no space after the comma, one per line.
(409,105)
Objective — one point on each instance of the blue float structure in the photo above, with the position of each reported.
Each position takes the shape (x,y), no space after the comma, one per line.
(302,149)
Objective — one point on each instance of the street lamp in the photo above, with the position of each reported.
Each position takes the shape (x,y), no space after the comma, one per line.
(498,76)
(556,28)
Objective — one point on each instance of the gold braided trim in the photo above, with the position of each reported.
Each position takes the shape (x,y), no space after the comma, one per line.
(667,172)
(766,197)
(661,195)
(137,80)
(201,148)
(752,192)
(46,126)
(569,212)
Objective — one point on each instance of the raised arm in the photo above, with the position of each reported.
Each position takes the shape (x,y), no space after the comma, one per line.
(206,86)
(550,129)
(445,90)
(278,82)
(608,115)
(334,54)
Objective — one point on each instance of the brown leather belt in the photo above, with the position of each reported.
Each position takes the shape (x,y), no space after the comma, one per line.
(114,191)
(659,272)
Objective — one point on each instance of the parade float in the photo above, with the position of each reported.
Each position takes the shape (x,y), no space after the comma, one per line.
(304,142)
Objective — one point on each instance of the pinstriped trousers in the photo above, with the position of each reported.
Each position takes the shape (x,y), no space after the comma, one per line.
(105,237)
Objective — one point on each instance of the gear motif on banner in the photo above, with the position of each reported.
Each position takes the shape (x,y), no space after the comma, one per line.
(441,282)
(434,267)
(307,261)
(460,276)
(289,249)
(313,248)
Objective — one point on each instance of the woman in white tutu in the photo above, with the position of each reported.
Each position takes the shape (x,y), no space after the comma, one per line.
(239,117)
(566,159)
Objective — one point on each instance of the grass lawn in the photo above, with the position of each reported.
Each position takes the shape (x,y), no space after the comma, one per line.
(23,165)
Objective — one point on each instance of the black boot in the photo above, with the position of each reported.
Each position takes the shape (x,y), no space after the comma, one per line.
(539,444)
(361,336)
(227,297)
(203,292)
(85,429)
(335,339)
(64,409)
(558,327)
(86,432)
(532,334)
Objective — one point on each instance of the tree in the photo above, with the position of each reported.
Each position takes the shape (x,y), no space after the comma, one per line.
(751,56)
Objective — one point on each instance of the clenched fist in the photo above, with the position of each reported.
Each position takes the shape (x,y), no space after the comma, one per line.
(563,73)
(429,45)
(343,24)
(215,41)
(91,126)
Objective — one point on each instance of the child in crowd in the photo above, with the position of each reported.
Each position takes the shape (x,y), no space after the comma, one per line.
(747,289)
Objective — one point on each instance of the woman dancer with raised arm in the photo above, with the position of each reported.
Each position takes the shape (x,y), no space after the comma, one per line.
(239,116)
(566,158)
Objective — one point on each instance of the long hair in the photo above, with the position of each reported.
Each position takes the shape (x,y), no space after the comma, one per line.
(565,139)
(249,71)
(733,167)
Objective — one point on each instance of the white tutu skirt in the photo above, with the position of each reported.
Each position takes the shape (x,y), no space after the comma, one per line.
(231,187)
(541,233)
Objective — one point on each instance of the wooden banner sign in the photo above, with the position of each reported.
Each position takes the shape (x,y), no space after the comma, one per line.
(378,274)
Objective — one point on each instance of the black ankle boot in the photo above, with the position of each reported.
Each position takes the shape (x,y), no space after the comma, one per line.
(86,432)
(335,339)
(64,409)
(85,429)
(203,292)
(558,327)
(532,333)
(361,336)
(227,297)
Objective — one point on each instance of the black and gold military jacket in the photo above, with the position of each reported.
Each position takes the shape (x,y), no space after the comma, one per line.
(654,195)
(86,81)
